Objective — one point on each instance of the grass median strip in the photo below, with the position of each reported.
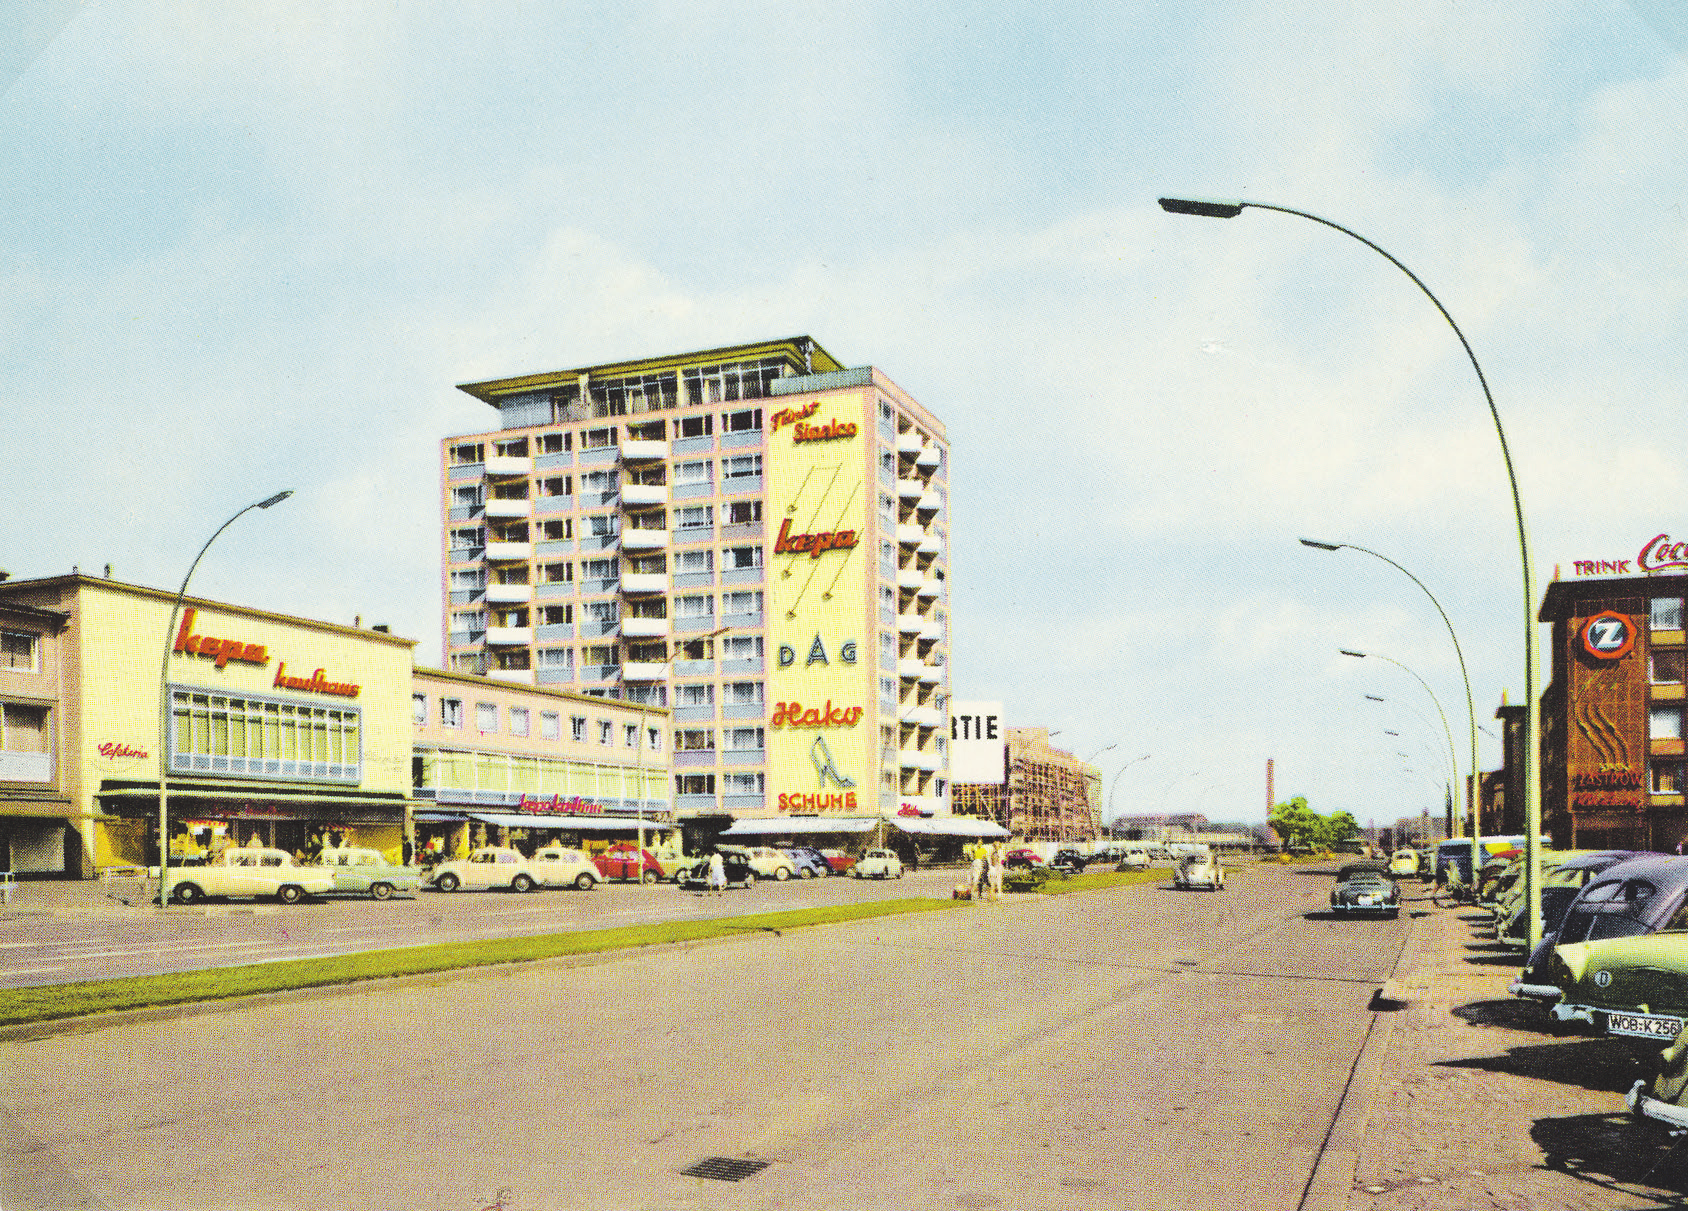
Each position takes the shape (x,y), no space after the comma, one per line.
(19,1006)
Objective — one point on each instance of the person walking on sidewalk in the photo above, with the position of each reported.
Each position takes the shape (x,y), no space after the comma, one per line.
(717,872)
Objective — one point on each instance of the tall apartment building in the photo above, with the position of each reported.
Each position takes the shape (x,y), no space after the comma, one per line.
(755,537)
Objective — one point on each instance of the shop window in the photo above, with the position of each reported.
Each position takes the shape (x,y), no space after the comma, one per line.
(1665,666)
(1666,614)
(1664,723)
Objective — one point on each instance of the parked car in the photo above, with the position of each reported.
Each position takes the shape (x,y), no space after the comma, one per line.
(1403,863)
(695,876)
(367,872)
(770,863)
(1022,857)
(1559,886)
(1069,860)
(1661,1098)
(809,863)
(560,866)
(1640,895)
(1365,887)
(838,860)
(1135,857)
(1634,987)
(623,862)
(252,870)
(878,864)
(1199,869)
(489,866)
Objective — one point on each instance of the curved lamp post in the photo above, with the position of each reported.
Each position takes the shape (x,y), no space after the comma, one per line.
(164,699)
(1532,761)
(1115,783)
(1452,760)
(1471,796)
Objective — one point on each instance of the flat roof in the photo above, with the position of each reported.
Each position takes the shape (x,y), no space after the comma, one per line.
(793,348)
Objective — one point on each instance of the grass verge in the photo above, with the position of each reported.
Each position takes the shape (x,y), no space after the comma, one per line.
(51,1002)
(1099,879)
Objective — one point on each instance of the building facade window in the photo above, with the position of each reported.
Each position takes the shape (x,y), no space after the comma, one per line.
(1666,614)
(221,734)
(577,727)
(1664,723)
(451,712)
(604,731)
(518,721)
(694,740)
(550,725)
(1665,666)
(486,717)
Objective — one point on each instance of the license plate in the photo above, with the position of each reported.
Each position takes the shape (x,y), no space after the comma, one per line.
(1367,901)
(1643,1026)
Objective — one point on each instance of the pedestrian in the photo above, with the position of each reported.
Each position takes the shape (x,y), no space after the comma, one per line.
(717,872)
(978,883)
(995,865)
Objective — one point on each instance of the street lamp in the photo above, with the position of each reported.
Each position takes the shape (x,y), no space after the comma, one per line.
(1099,752)
(639,749)
(1115,783)
(1452,760)
(1532,704)
(164,700)
(1471,797)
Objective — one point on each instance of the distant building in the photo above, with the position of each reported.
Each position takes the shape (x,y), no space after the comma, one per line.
(1049,794)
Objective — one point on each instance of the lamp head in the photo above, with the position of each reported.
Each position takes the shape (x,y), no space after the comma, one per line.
(1206,210)
(1356,655)
(1323,546)
(276,499)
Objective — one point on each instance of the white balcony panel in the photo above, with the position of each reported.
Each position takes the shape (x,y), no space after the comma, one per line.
(910,442)
(929,459)
(514,676)
(509,636)
(643,451)
(644,540)
(509,594)
(497,551)
(638,583)
(643,495)
(911,489)
(911,535)
(644,670)
(930,588)
(923,716)
(929,633)
(506,509)
(910,758)
(910,624)
(932,674)
(910,669)
(505,465)
(911,579)
(644,628)
(928,502)
(931,545)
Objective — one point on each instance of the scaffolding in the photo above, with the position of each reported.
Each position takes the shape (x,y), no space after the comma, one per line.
(1050,794)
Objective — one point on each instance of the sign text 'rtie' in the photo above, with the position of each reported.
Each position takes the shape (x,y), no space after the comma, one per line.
(220,650)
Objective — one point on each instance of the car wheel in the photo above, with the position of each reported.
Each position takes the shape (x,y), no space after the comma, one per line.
(650,876)
(288,894)
(446,883)
(805,873)
(781,874)
(584,882)
(522,883)
(382,891)
(184,893)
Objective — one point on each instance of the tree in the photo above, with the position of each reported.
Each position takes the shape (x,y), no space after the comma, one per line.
(1295,821)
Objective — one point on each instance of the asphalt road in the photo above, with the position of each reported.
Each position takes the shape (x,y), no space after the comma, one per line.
(1135,1048)
(96,931)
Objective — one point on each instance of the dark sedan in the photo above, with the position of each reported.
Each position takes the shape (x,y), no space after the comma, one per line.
(737,868)
(1365,888)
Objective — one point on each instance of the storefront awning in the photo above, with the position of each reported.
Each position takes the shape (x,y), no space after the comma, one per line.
(951,826)
(583,824)
(794,825)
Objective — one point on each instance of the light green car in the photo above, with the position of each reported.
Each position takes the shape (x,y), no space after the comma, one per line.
(367,872)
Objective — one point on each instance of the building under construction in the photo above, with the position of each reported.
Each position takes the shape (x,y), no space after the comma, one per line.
(1047,793)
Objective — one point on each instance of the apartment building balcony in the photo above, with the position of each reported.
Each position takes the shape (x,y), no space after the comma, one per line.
(503,466)
(509,594)
(910,669)
(928,503)
(929,588)
(910,535)
(911,489)
(930,545)
(922,716)
(644,670)
(642,496)
(910,579)
(502,509)
(643,451)
(513,676)
(913,758)
(931,632)
(909,623)
(503,552)
(506,637)
(929,459)
(931,674)
(644,540)
(910,443)
(644,628)
(638,584)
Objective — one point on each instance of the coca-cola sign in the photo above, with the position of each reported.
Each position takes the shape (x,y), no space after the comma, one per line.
(1658,554)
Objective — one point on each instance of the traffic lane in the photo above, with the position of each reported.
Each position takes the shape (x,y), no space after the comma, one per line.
(141,940)
(1037,1053)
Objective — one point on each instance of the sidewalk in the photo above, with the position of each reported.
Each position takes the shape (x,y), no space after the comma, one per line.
(79,897)
(1465,1098)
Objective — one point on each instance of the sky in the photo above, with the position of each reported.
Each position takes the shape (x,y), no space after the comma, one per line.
(255,246)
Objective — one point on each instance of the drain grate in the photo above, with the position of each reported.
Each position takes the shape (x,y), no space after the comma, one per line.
(725,1168)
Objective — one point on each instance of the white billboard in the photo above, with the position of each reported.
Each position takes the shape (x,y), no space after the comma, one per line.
(978,743)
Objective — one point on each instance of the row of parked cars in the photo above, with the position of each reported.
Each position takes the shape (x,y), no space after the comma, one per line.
(260,871)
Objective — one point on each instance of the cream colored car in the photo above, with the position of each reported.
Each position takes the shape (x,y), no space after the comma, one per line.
(253,870)
(560,866)
(770,863)
(489,866)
